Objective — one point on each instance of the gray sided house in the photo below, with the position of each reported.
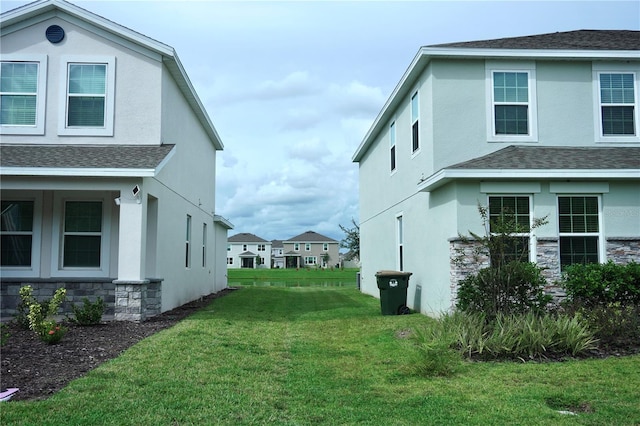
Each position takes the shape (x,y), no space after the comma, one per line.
(310,249)
(107,161)
(538,126)
(247,250)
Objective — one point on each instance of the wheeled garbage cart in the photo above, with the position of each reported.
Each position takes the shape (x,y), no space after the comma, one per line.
(393,291)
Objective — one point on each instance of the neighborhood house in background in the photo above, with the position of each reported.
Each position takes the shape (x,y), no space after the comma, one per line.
(108,166)
(308,249)
(540,126)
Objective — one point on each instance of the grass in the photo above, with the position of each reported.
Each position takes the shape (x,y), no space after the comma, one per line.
(309,356)
(293,277)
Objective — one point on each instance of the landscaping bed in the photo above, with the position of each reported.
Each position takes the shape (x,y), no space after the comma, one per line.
(39,369)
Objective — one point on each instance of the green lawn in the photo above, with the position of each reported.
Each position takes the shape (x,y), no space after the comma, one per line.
(307,356)
(293,277)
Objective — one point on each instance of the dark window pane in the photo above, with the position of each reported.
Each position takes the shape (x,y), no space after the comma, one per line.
(511,120)
(618,120)
(83,216)
(415,136)
(81,251)
(393,158)
(581,250)
(17,216)
(15,250)
(86,112)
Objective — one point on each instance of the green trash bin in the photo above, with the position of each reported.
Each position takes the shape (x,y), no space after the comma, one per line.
(393,291)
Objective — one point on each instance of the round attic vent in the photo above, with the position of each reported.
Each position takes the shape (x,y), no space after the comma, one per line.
(55,34)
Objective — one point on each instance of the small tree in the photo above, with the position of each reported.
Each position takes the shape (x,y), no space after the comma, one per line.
(351,241)
(325,258)
(510,284)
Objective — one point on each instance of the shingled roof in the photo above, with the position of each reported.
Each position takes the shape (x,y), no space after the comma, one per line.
(87,159)
(551,157)
(246,237)
(311,237)
(568,40)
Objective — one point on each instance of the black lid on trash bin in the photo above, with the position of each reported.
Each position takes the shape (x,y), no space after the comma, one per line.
(393,274)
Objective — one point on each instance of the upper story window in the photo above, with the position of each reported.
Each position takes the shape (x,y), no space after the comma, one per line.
(415,114)
(307,246)
(617,104)
(261,247)
(325,247)
(22,96)
(296,246)
(392,145)
(245,247)
(89,97)
(512,108)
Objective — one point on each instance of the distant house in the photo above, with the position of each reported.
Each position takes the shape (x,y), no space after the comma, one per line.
(531,127)
(277,254)
(310,249)
(247,250)
(107,165)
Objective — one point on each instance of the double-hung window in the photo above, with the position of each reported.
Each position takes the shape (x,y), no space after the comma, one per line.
(510,215)
(17,233)
(618,106)
(296,246)
(415,125)
(579,229)
(392,145)
(82,234)
(88,103)
(325,247)
(310,260)
(512,107)
(307,246)
(22,96)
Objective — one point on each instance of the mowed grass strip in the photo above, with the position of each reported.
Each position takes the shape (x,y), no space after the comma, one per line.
(306,356)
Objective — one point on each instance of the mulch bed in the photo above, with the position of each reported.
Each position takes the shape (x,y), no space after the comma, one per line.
(39,369)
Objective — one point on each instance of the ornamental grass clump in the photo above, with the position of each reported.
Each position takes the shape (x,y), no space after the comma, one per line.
(40,315)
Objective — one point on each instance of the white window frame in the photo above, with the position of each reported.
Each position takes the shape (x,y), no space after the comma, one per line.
(492,67)
(531,234)
(310,260)
(307,246)
(187,261)
(204,245)
(261,247)
(296,246)
(229,260)
(109,107)
(617,68)
(393,151)
(36,236)
(325,246)
(41,99)
(59,201)
(600,234)
(400,255)
(415,95)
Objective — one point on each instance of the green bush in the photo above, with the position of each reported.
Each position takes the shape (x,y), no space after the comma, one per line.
(40,314)
(511,288)
(89,313)
(601,284)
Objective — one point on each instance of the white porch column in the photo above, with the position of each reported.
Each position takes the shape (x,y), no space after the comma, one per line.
(131,285)
(131,248)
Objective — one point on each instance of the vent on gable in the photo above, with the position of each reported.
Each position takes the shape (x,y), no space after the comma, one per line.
(55,34)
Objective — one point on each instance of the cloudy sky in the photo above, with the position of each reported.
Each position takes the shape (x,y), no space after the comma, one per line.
(293,86)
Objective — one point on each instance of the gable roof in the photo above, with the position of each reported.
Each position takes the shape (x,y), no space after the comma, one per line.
(74,160)
(543,162)
(311,237)
(21,17)
(574,45)
(246,237)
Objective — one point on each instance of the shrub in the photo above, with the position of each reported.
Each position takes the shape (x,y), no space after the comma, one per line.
(512,288)
(4,334)
(608,297)
(516,336)
(89,313)
(40,314)
(597,284)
